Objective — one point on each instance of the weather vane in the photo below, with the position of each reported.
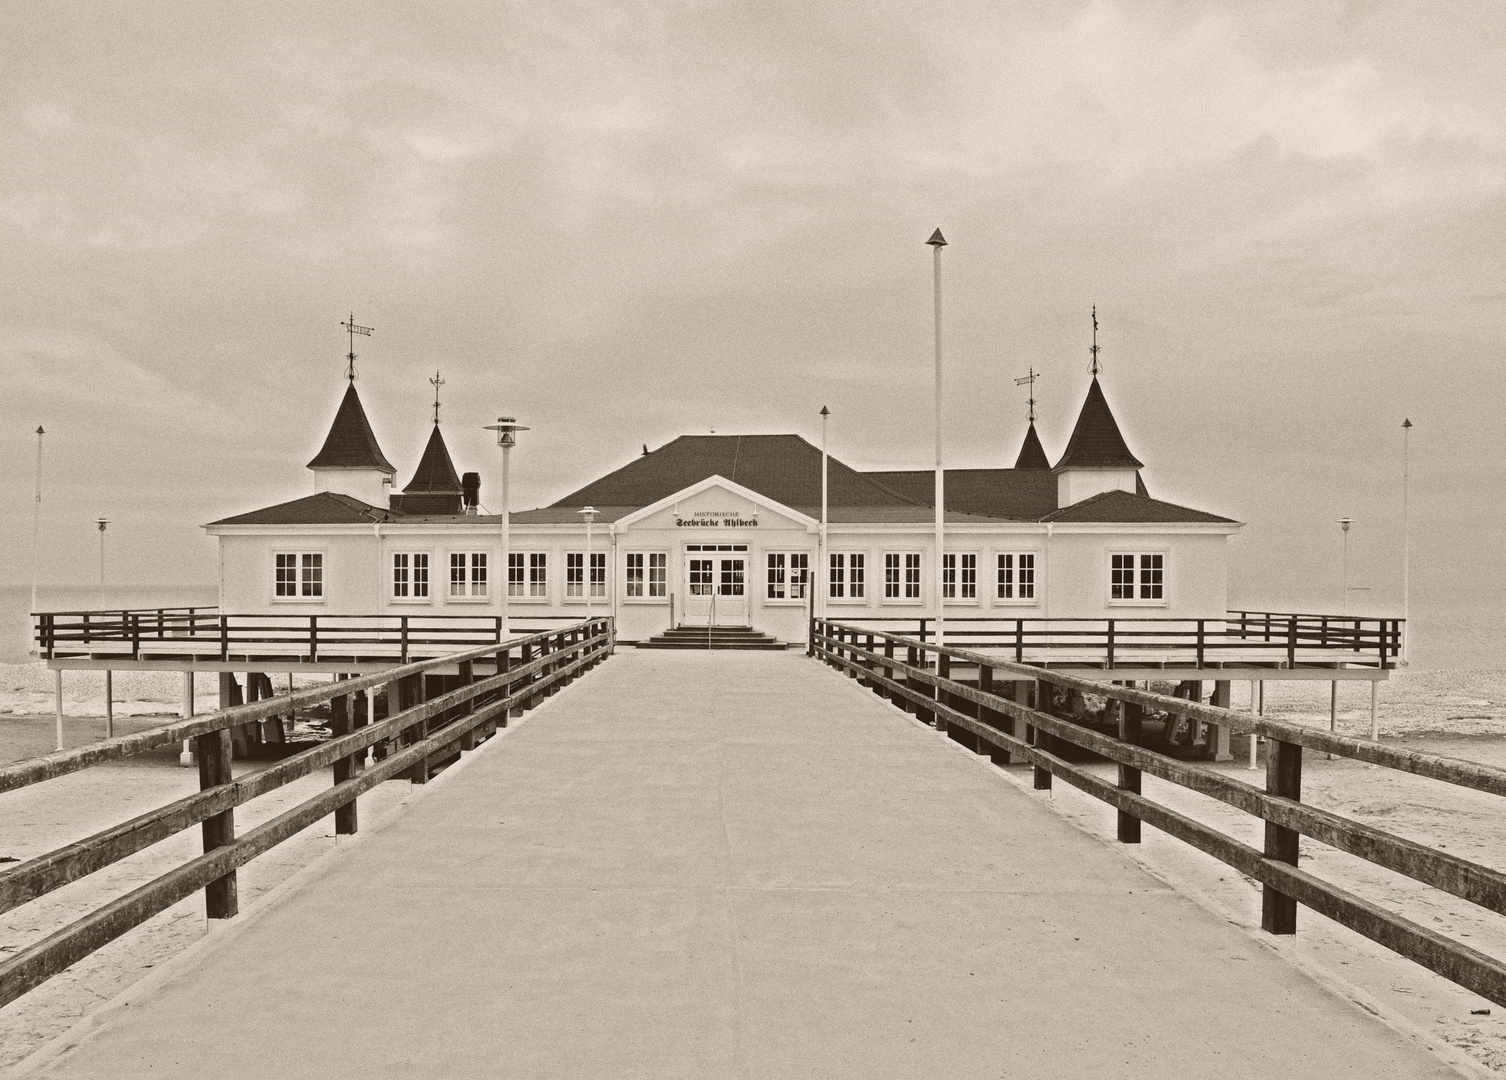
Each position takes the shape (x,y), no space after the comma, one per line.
(350,357)
(1030,380)
(1094,350)
(436,382)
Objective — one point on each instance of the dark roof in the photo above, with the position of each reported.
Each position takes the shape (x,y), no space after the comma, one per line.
(1121,506)
(351,444)
(783,468)
(436,472)
(1032,455)
(1096,442)
(325,508)
(1015,494)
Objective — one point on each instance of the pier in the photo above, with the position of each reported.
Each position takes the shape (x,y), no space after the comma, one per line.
(697,864)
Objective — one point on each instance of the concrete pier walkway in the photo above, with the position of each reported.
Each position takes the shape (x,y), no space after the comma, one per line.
(732,865)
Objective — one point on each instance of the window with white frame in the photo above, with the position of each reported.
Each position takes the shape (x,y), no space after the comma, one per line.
(902,575)
(847,573)
(516,561)
(1016,575)
(968,587)
(1137,576)
(789,573)
(538,573)
(468,576)
(575,573)
(410,575)
(298,575)
(647,573)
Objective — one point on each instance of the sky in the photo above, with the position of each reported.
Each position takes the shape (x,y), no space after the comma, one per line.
(625,222)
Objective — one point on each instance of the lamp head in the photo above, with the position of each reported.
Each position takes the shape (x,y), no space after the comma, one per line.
(587,514)
(1345,522)
(506,428)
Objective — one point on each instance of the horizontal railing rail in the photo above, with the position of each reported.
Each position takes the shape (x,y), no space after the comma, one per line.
(209,634)
(1288,641)
(427,721)
(1015,712)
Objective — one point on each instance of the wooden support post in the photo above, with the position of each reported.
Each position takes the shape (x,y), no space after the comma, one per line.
(467,676)
(341,722)
(417,694)
(110,704)
(894,697)
(1254,739)
(185,759)
(943,671)
(1044,702)
(1283,777)
(992,717)
(57,702)
(1130,716)
(911,660)
(1218,734)
(220,900)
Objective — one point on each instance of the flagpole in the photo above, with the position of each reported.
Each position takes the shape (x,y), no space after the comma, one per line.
(1406,544)
(822,556)
(36,522)
(937,242)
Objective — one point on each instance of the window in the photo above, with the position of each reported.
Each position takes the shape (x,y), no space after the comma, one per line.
(789,571)
(847,575)
(538,573)
(410,575)
(1017,575)
(969,576)
(575,563)
(467,574)
(1140,576)
(299,574)
(515,561)
(902,575)
(655,564)
(701,576)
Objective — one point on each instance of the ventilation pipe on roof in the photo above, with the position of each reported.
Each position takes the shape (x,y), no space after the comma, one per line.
(470,491)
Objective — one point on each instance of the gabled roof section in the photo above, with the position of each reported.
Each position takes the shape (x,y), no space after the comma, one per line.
(351,444)
(1012,494)
(435,474)
(325,508)
(1096,442)
(782,468)
(716,480)
(1121,507)
(1032,454)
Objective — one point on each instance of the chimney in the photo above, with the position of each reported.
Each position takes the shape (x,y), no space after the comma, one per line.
(470,487)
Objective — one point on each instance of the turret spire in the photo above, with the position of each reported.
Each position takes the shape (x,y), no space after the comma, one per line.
(350,357)
(1096,367)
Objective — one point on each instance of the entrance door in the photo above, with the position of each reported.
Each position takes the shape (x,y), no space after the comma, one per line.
(731,608)
(701,573)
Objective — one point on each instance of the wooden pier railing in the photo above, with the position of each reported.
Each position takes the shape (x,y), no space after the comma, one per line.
(430,717)
(1243,638)
(1015,713)
(208,634)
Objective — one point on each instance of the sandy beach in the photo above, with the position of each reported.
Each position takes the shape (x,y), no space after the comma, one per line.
(1460,713)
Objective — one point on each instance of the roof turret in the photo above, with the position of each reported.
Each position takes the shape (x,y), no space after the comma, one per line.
(351,444)
(1096,442)
(436,473)
(1032,454)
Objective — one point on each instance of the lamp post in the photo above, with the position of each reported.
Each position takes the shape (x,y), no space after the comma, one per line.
(506,428)
(1344,524)
(823,571)
(1406,544)
(36,522)
(588,515)
(937,242)
(101,522)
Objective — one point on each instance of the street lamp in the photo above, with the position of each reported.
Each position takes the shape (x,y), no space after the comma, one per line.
(101,522)
(823,570)
(1344,524)
(588,515)
(506,428)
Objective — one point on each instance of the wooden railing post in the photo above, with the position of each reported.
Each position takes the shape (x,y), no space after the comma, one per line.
(1291,642)
(135,637)
(911,660)
(1109,660)
(416,696)
(224,638)
(1283,777)
(313,638)
(213,750)
(1130,717)
(403,639)
(993,718)
(943,671)
(1045,701)
(341,723)
(1019,641)
(467,676)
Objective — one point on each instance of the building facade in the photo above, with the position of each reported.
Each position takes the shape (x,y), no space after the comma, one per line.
(727,529)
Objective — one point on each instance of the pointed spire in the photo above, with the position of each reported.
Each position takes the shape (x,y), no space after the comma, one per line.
(937,240)
(1096,441)
(436,473)
(1032,454)
(1096,367)
(351,444)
